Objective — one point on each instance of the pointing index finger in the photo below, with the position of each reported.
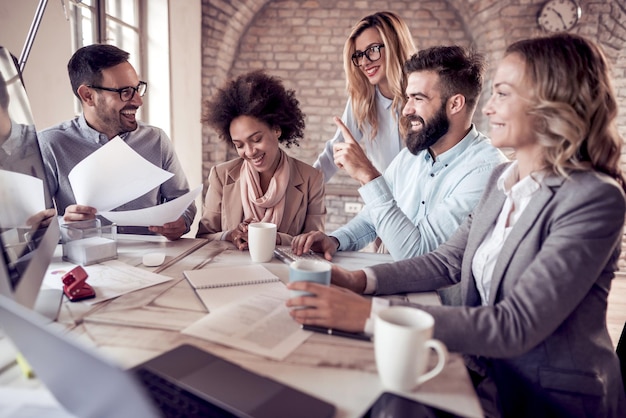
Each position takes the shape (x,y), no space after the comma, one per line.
(347,135)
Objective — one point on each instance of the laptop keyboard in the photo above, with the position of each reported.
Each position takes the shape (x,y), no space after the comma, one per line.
(286,255)
(174,401)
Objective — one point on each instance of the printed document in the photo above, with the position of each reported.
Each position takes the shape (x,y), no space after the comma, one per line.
(259,324)
(113,175)
(109,279)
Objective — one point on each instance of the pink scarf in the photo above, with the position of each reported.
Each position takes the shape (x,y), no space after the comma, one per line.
(268,207)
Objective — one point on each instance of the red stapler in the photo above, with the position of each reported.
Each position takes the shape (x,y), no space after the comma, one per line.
(75,286)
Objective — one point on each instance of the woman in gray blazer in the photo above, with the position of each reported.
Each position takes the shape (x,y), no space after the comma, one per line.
(536,259)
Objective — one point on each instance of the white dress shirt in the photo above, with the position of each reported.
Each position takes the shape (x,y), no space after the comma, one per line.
(518,194)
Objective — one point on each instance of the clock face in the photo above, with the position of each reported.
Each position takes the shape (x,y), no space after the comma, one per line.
(559,15)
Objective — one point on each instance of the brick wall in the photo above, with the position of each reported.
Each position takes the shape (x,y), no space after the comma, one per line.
(301,41)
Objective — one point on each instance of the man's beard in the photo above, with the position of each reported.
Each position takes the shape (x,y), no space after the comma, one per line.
(430,133)
(112,118)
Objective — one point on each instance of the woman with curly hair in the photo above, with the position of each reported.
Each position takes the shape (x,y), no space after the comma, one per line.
(255,114)
(536,258)
(373,56)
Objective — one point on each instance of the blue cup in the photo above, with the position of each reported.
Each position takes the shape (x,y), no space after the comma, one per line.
(315,271)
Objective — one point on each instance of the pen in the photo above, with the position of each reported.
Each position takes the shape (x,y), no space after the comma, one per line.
(354,335)
(24,366)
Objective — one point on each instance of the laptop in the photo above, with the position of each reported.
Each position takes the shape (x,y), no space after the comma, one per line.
(286,255)
(25,251)
(185,381)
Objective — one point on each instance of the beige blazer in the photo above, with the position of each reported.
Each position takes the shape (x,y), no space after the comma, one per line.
(305,208)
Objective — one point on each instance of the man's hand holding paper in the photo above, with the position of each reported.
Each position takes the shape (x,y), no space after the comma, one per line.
(116,174)
(156,215)
(75,213)
(113,175)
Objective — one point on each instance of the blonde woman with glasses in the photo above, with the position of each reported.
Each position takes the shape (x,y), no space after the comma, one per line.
(373,56)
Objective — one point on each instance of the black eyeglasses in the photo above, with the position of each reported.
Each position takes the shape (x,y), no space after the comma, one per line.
(372,53)
(126,93)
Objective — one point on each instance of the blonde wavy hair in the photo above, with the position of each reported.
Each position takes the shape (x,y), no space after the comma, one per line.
(399,47)
(574,107)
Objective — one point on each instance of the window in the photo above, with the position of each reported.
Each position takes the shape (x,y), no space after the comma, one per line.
(114,22)
(141,28)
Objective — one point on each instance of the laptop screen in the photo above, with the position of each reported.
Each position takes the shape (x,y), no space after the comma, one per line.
(27,244)
(86,384)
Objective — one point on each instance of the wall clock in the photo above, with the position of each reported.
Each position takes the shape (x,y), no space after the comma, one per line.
(559,15)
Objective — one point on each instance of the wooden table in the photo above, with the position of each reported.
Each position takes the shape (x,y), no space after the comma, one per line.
(137,326)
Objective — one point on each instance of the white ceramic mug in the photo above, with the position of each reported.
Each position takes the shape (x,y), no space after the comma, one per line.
(261,241)
(402,343)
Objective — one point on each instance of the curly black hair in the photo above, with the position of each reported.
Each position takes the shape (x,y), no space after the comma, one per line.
(258,95)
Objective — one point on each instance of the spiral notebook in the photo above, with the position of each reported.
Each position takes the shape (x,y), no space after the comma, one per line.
(229,275)
(218,285)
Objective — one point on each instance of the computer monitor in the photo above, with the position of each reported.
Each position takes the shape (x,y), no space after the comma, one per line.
(27,246)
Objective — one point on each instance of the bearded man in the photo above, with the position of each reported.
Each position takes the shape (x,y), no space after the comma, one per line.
(434,183)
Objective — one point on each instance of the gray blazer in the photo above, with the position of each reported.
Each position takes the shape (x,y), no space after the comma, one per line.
(542,336)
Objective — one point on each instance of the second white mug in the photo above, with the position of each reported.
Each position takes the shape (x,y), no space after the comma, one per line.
(402,344)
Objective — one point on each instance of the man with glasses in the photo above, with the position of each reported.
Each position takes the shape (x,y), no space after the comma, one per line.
(432,185)
(110,93)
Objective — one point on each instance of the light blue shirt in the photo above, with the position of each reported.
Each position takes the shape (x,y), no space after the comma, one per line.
(381,150)
(65,145)
(418,203)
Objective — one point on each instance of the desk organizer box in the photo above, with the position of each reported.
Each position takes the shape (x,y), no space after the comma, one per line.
(88,242)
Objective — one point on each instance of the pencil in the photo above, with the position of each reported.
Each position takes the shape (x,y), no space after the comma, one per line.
(24,366)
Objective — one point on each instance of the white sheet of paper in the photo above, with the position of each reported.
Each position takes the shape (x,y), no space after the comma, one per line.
(113,175)
(156,215)
(21,196)
(259,324)
(109,279)
(30,401)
